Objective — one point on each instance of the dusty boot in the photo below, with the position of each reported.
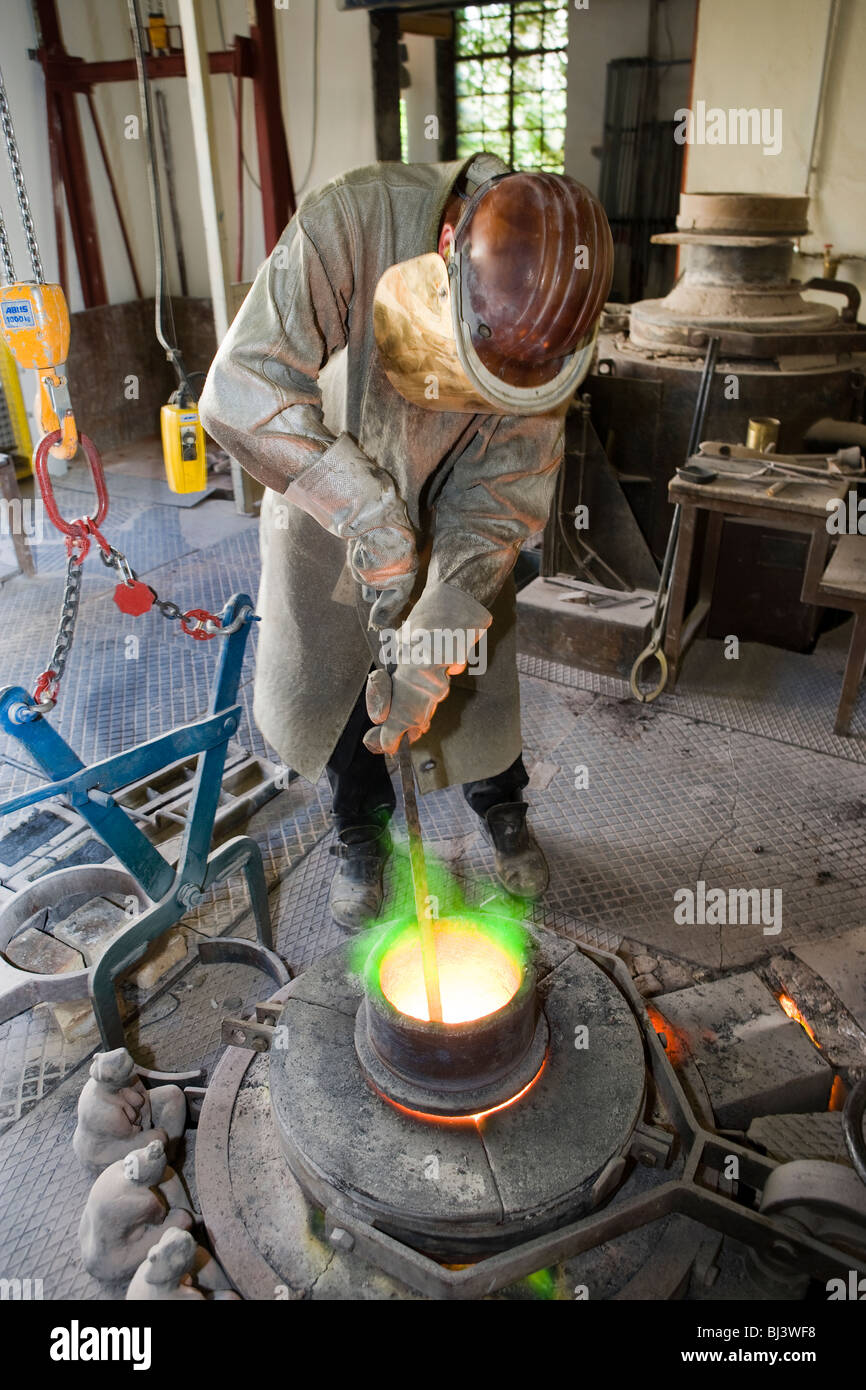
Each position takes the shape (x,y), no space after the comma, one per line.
(356,889)
(520,864)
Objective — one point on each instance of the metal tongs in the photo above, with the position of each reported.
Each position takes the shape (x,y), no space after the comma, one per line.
(784,468)
(654,646)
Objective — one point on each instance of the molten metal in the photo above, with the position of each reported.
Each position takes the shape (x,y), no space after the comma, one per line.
(476,976)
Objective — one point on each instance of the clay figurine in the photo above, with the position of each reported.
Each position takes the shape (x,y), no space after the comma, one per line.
(178,1268)
(116,1113)
(130,1206)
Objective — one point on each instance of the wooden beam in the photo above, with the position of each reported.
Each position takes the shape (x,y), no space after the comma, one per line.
(74,73)
(446,99)
(275,170)
(385,53)
(438,26)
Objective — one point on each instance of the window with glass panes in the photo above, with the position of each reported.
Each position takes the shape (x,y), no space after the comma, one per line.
(510,77)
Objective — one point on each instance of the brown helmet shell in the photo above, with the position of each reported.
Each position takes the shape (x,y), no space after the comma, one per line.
(529,296)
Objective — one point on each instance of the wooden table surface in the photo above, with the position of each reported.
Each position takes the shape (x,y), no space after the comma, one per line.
(807,499)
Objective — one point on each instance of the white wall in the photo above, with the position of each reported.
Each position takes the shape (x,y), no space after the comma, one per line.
(26,92)
(345,136)
(99,29)
(770,55)
(838,211)
(604,31)
(421,97)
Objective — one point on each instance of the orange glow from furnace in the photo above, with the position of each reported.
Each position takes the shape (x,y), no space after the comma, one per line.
(463,1119)
(675,1045)
(790,1008)
(476,976)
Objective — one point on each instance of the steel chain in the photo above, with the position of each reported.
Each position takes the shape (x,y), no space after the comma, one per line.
(65,630)
(6,254)
(20,191)
(116,560)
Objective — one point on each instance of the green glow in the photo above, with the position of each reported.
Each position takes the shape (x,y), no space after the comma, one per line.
(503,924)
(542,1283)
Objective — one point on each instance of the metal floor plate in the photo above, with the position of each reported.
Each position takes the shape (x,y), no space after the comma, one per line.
(788,697)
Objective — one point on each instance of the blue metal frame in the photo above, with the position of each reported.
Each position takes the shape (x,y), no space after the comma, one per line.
(171,891)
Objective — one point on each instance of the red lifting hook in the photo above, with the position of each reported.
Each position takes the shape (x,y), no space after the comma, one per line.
(82,528)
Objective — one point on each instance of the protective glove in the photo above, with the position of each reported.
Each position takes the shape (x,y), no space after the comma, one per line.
(444,621)
(351,497)
(388,603)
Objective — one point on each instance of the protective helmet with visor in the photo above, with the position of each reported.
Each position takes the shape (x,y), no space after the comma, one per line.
(508,326)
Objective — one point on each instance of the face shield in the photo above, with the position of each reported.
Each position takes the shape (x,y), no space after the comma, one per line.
(509,325)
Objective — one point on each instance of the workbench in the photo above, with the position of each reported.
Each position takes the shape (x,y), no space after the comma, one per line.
(798,506)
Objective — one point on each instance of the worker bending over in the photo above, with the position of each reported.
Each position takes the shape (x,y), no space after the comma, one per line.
(467,299)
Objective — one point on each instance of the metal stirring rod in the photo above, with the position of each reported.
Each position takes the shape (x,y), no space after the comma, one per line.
(419,883)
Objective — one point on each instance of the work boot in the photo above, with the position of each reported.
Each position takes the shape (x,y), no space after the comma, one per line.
(356,893)
(520,864)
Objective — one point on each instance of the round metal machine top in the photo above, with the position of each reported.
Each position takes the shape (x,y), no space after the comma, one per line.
(739,250)
(460,1186)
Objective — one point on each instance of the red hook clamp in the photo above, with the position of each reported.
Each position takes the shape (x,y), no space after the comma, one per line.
(47,686)
(198,630)
(81,529)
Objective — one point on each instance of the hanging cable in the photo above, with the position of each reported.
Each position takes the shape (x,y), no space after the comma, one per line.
(219,14)
(162,294)
(168,170)
(21,194)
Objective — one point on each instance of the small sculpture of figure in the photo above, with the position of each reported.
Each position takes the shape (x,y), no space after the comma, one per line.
(116,1113)
(130,1206)
(178,1268)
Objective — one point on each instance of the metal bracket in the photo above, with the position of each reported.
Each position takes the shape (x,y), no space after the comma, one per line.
(261,1033)
(269,1012)
(245,1032)
(651,1145)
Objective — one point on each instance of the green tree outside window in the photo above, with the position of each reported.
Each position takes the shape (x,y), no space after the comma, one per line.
(510,75)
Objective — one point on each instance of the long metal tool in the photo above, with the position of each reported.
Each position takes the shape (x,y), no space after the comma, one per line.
(654,647)
(419,883)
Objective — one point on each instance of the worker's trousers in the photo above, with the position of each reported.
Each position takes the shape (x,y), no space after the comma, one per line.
(361,785)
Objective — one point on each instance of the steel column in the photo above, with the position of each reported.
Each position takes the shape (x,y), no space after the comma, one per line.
(275,172)
(63,116)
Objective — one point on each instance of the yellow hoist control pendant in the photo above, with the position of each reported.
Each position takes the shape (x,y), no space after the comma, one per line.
(183,448)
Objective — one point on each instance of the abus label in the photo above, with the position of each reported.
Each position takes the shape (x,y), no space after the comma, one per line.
(18,313)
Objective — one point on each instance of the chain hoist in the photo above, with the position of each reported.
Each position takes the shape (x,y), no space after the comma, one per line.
(34,317)
(34,321)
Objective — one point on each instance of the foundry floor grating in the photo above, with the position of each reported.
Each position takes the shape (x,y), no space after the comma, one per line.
(789,697)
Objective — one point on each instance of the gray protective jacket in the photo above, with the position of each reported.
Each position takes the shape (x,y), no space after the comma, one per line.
(475,486)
